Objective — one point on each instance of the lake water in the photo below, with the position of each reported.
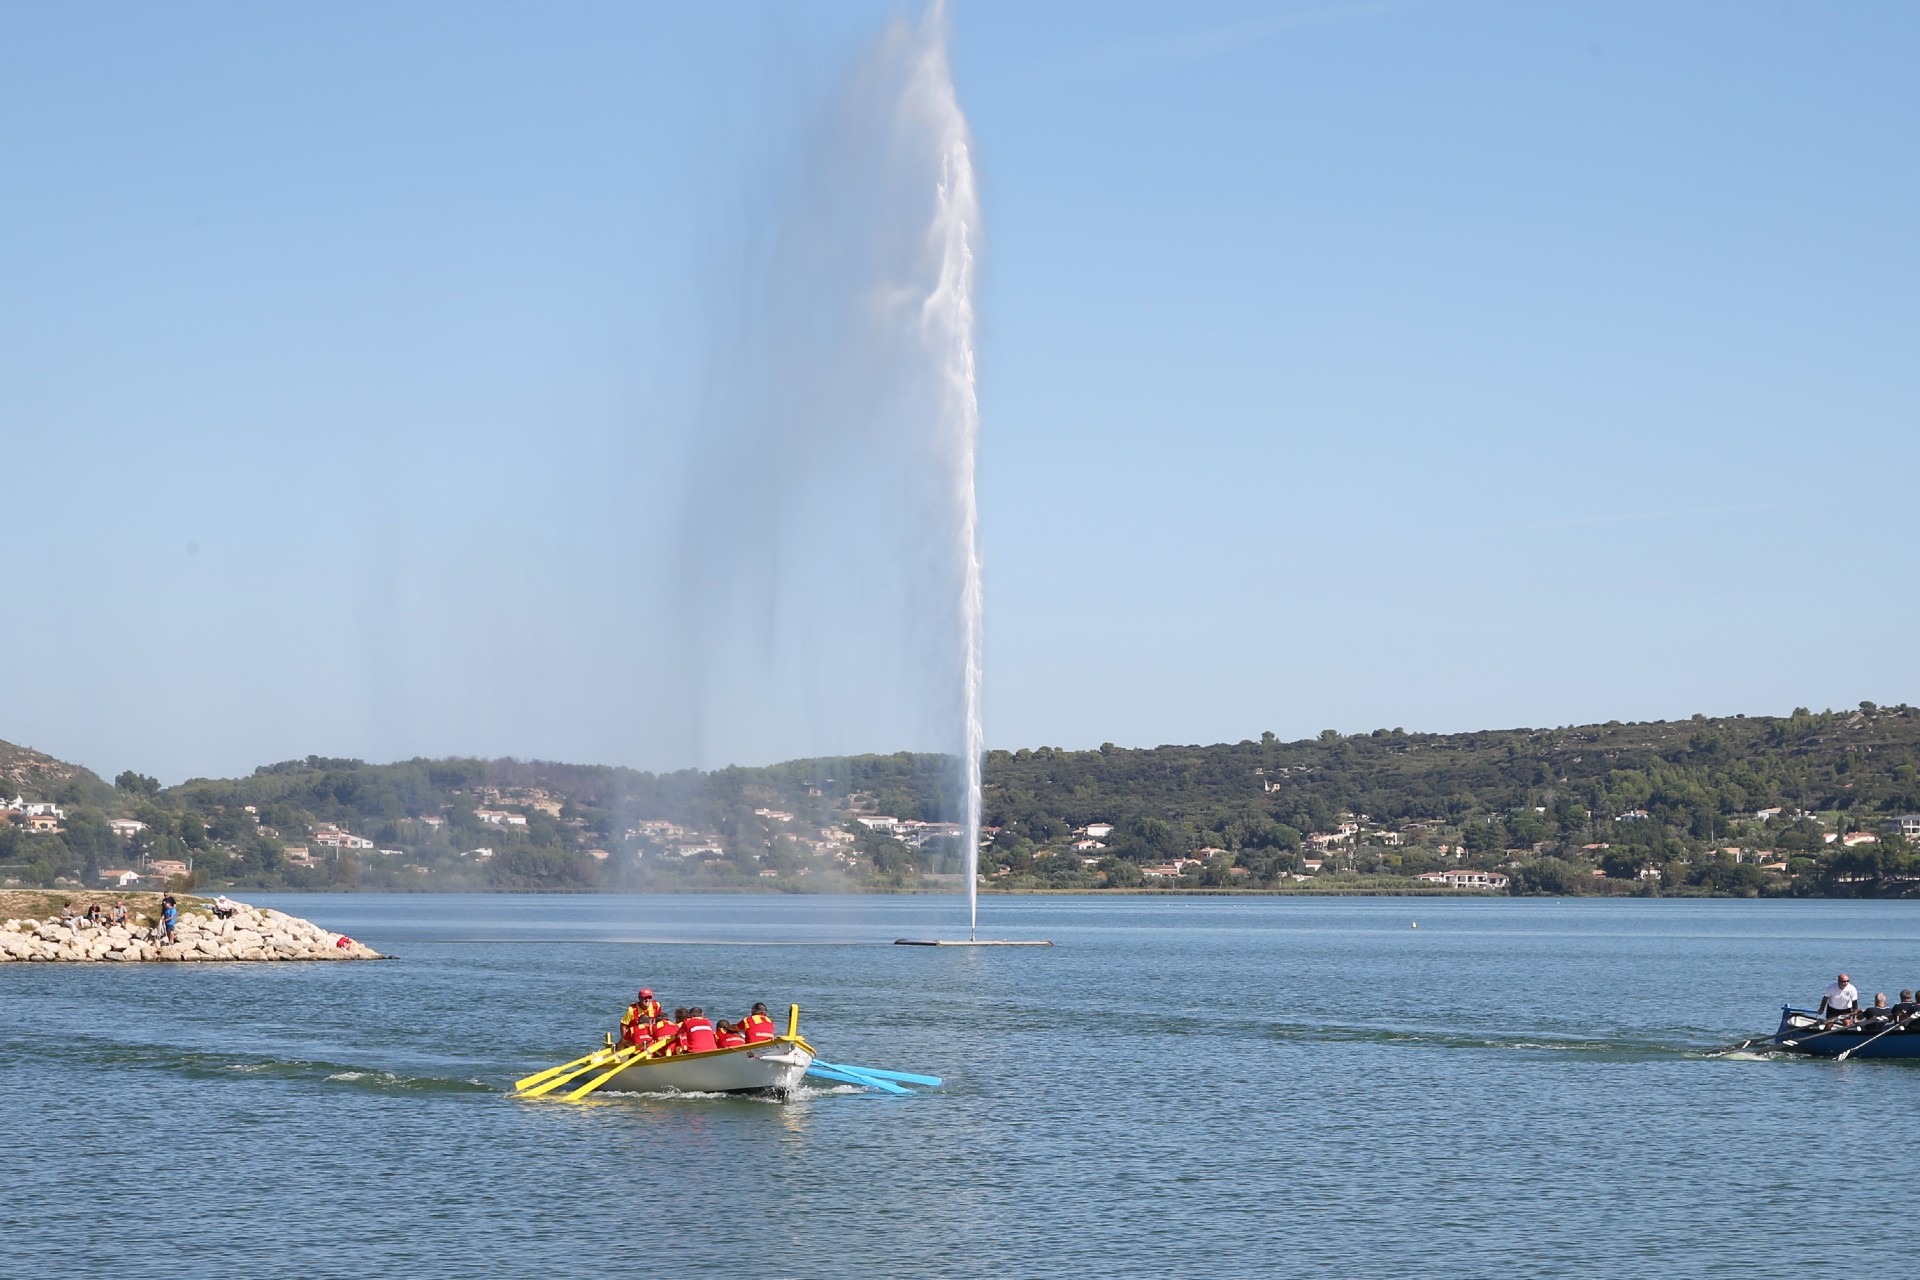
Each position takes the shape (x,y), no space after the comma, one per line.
(1181,1087)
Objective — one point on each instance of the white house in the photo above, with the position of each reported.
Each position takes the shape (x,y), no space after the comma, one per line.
(127,827)
(120,877)
(500,818)
(1099,830)
(1465,878)
(880,823)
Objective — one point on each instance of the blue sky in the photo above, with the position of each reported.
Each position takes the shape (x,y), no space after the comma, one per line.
(1437,365)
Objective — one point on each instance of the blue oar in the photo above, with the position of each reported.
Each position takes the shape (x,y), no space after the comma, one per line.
(849,1077)
(932,1082)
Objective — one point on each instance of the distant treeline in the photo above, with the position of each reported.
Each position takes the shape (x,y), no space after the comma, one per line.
(1664,807)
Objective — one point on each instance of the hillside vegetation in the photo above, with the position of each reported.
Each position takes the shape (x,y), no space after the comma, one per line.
(1801,804)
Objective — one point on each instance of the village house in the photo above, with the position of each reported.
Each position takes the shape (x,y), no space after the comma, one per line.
(774,815)
(880,822)
(1086,846)
(500,818)
(43,822)
(1465,878)
(1907,824)
(298,855)
(1856,838)
(1099,830)
(165,867)
(1311,865)
(1767,815)
(333,837)
(126,827)
(120,877)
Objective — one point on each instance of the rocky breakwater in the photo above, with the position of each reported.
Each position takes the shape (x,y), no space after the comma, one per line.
(248,934)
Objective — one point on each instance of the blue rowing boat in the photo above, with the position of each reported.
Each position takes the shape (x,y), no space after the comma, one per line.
(1802,1031)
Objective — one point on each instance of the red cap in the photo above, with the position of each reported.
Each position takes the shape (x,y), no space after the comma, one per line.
(647,992)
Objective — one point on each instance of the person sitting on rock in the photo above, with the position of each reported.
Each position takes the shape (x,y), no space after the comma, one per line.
(225,908)
(69,917)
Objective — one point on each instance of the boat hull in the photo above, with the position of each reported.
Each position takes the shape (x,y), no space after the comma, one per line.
(1803,1029)
(773,1067)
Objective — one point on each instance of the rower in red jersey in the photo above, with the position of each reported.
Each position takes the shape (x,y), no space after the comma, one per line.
(696,1033)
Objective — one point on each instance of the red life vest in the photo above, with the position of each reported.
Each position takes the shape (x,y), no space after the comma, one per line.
(731,1039)
(696,1036)
(663,1029)
(633,1025)
(759,1028)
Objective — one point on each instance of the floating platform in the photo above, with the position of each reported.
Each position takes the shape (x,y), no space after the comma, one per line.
(968,942)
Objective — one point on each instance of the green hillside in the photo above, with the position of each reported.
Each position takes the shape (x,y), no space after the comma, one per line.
(1802,804)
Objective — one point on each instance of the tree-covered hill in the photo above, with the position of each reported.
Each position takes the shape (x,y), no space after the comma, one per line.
(1801,804)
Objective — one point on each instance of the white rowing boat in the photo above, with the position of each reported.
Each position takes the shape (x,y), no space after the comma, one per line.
(771,1067)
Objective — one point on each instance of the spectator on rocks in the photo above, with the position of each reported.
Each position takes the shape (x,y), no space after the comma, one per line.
(70,918)
(225,908)
(95,914)
(169,917)
(119,915)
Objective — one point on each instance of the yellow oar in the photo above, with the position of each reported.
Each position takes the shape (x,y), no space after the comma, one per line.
(600,1059)
(592,1059)
(616,1069)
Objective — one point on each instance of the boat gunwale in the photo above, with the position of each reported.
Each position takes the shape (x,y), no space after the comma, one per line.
(705,1055)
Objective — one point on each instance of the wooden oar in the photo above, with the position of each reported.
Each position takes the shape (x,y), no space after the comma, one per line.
(932,1082)
(854,1077)
(1844,1053)
(527,1082)
(619,1066)
(600,1059)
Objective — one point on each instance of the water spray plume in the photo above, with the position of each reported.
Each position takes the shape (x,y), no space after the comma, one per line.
(947,319)
(829,593)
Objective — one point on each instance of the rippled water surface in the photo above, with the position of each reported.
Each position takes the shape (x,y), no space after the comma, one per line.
(1183,1086)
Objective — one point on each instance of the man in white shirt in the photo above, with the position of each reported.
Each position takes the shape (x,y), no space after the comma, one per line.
(1840,997)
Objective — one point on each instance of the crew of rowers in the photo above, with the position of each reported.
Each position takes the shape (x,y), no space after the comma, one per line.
(1840,1006)
(689,1030)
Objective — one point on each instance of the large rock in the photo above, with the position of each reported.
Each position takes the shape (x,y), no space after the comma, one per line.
(249,934)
